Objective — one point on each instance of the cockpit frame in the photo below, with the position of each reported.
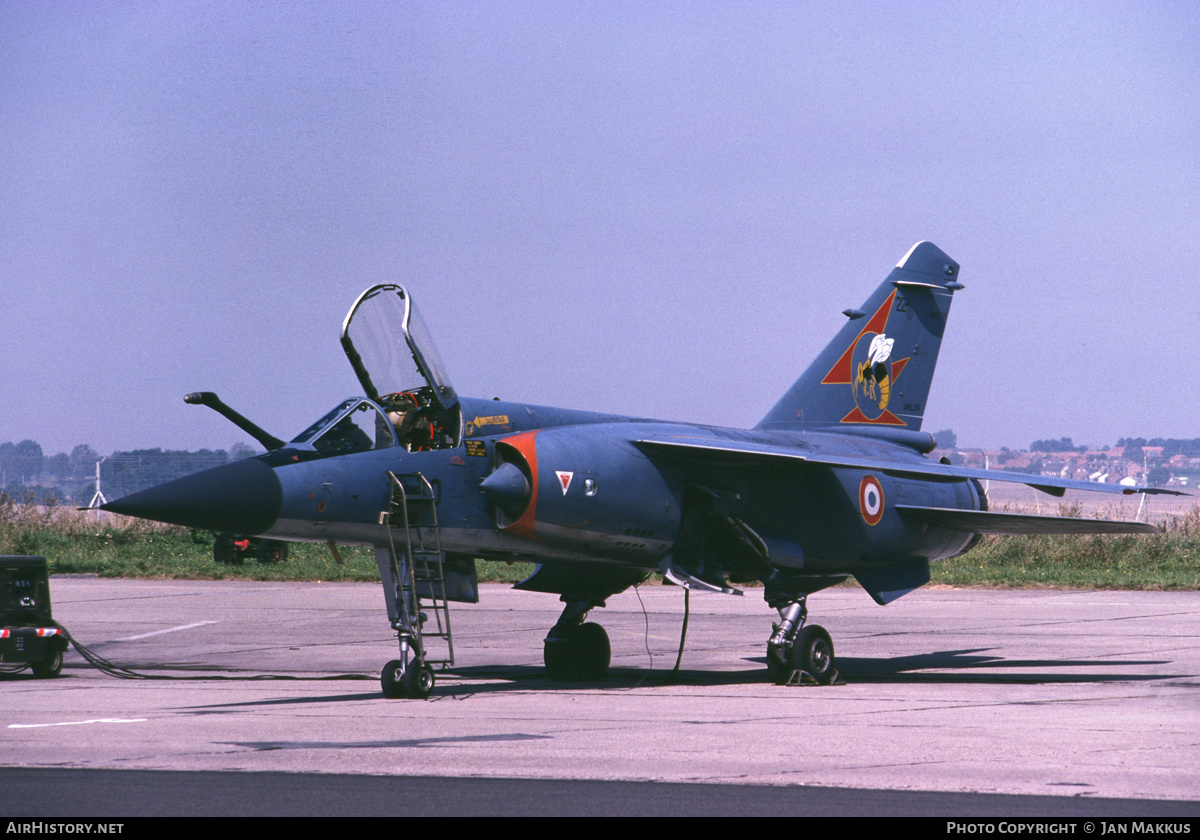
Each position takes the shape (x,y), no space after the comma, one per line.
(411,387)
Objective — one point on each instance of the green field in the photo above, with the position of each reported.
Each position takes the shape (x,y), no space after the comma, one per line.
(78,542)
(1170,560)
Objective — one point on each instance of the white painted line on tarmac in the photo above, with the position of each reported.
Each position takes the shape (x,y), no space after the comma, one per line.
(76,722)
(168,630)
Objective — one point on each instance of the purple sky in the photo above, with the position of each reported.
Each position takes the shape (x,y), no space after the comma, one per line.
(651,208)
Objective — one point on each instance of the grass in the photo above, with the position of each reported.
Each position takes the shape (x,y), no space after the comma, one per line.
(1169,560)
(115,546)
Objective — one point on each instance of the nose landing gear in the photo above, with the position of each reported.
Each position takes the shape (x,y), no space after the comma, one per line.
(410,679)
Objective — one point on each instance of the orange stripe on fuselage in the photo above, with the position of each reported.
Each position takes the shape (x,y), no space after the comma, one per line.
(526,445)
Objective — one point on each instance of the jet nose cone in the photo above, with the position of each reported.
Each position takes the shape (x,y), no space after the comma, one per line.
(244,497)
(508,488)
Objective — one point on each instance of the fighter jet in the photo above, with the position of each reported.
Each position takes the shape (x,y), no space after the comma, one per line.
(834,482)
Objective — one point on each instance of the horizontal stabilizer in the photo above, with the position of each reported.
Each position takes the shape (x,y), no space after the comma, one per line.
(996,522)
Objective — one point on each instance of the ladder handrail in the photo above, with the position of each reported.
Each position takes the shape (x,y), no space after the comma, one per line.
(418,571)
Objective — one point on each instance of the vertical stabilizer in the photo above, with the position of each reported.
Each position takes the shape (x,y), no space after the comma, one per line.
(878,369)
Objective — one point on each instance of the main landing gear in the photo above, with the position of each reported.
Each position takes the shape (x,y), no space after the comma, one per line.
(574,650)
(796,652)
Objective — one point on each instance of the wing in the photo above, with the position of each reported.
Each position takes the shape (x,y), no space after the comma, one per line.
(751,451)
(995,522)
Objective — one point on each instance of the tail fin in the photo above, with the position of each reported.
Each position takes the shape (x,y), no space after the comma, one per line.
(878,369)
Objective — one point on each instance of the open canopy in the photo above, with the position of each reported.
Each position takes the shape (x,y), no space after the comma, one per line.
(385,364)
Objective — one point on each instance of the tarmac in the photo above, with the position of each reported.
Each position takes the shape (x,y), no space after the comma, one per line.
(1067,694)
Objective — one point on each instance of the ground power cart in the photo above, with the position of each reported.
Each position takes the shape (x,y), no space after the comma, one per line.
(28,634)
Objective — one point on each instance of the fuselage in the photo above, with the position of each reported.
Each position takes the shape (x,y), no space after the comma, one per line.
(592,494)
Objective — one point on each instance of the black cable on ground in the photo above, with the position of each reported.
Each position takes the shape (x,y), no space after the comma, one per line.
(120,672)
(683,633)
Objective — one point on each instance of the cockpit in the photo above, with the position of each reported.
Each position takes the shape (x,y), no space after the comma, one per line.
(356,425)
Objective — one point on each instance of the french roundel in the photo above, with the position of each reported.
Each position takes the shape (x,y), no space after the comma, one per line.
(870,500)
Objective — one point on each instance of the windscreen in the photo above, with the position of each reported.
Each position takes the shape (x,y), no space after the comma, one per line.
(359,426)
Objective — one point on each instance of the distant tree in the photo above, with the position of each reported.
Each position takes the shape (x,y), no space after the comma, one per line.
(58,467)
(1158,476)
(946,439)
(1131,448)
(20,463)
(129,472)
(83,461)
(1061,445)
(241,451)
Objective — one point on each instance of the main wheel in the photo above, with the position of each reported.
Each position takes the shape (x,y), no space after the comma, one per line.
(578,653)
(813,652)
(50,666)
(593,651)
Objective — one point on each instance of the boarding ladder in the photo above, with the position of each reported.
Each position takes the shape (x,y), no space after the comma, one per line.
(417,593)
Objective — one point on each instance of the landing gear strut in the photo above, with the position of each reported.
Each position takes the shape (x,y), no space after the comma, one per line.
(796,650)
(575,650)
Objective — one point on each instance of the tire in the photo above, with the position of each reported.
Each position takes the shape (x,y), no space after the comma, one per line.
(557,656)
(271,551)
(813,652)
(392,679)
(593,652)
(581,653)
(418,681)
(50,666)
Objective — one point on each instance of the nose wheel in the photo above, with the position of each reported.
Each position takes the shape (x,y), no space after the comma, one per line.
(410,680)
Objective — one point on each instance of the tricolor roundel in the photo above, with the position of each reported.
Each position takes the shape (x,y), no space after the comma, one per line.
(870,500)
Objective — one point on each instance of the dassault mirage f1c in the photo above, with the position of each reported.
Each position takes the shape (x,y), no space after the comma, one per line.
(833,482)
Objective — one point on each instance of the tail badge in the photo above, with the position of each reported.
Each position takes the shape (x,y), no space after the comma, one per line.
(867,367)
